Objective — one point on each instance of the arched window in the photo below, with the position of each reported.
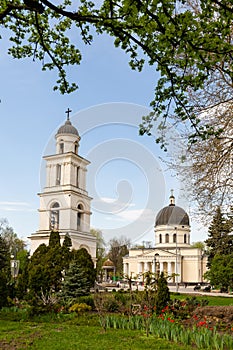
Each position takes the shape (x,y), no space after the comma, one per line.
(58,174)
(76,148)
(61,147)
(160,238)
(54,217)
(167,238)
(174,238)
(185,238)
(79,216)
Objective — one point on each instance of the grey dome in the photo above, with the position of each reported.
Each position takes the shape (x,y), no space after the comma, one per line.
(67,128)
(172,215)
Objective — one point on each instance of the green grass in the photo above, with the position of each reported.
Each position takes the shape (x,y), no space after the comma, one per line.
(60,336)
(212,300)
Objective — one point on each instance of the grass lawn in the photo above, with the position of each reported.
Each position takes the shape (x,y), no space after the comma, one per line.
(65,336)
(212,300)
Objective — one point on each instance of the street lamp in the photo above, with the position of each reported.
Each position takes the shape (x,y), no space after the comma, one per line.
(176,263)
(14,266)
(155,264)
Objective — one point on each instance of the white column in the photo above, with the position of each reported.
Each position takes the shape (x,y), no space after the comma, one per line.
(147,266)
(126,268)
(169,268)
(161,267)
(140,267)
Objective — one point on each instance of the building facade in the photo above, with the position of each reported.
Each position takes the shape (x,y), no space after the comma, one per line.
(64,202)
(173,253)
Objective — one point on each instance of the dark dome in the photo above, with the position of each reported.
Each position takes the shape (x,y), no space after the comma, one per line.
(67,128)
(172,215)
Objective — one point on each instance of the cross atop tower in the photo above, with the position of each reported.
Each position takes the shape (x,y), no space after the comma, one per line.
(68,113)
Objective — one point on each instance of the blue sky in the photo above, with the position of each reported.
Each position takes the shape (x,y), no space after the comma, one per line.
(127,188)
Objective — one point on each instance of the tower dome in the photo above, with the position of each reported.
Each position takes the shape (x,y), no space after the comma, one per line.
(67,128)
(172,215)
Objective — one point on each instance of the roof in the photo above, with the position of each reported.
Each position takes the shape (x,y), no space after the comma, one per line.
(172,215)
(67,128)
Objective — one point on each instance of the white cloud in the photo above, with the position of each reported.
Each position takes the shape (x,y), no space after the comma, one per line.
(132,215)
(16,206)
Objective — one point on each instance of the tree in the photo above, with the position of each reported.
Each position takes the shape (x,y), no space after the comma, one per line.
(14,243)
(83,259)
(219,238)
(119,247)
(163,294)
(220,274)
(22,278)
(66,252)
(4,271)
(76,282)
(187,44)
(205,167)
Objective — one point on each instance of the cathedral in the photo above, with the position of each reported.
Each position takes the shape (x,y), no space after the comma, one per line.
(173,253)
(64,202)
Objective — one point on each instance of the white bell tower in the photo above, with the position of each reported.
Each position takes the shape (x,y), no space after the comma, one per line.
(64,202)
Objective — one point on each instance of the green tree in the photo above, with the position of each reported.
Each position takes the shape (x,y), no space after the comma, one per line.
(163,294)
(220,274)
(66,251)
(76,282)
(38,278)
(4,272)
(189,46)
(219,238)
(22,278)
(14,243)
(84,260)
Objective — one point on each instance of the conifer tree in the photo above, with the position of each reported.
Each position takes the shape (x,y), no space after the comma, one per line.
(66,253)
(163,294)
(219,239)
(84,260)
(75,283)
(4,271)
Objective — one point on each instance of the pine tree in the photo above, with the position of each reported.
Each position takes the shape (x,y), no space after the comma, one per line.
(220,240)
(163,294)
(54,239)
(75,283)
(66,253)
(84,260)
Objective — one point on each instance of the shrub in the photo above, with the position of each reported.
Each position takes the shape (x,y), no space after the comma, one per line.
(87,299)
(79,308)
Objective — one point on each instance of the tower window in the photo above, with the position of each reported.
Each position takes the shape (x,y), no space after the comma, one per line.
(167,238)
(185,238)
(160,238)
(174,238)
(79,217)
(58,174)
(77,177)
(76,148)
(61,148)
(54,217)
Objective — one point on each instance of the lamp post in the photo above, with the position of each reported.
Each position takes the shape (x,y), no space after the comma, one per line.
(14,266)
(177,287)
(155,262)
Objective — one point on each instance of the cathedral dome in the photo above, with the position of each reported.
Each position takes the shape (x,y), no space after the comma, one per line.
(67,128)
(172,215)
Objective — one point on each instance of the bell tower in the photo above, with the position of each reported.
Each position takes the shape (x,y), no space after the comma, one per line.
(64,202)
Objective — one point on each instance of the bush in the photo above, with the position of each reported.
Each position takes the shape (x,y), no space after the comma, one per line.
(79,308)
(87,299)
